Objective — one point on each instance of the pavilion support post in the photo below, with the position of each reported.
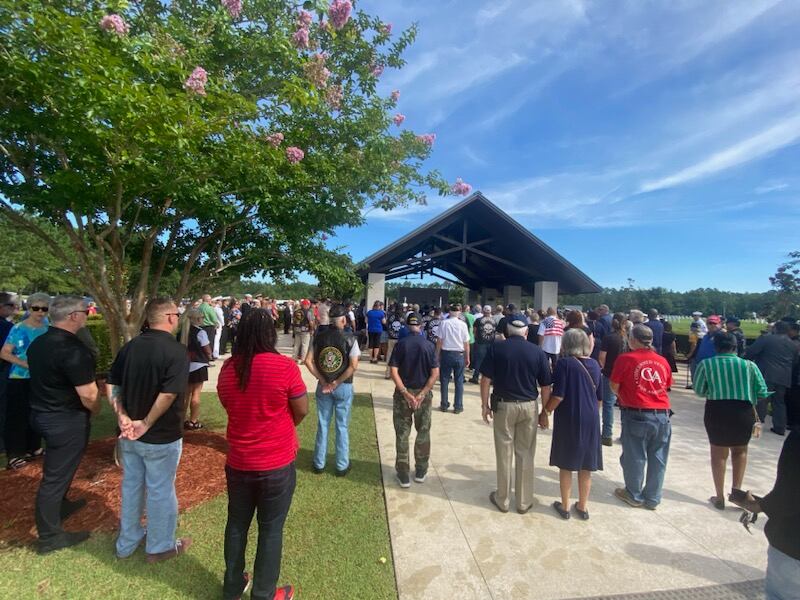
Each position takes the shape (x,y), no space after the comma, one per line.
(376,288)
(472,297)
(490,296)
(512,294)
(545,295)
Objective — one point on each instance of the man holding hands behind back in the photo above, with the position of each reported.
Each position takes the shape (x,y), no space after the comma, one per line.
(514,368)
(414,370)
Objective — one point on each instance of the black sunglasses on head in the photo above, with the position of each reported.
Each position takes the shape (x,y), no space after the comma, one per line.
(10,304)
(39,308)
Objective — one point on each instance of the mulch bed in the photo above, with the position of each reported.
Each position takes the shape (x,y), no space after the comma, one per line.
(201,476)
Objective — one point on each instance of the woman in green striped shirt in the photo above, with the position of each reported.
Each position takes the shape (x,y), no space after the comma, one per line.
(732,387)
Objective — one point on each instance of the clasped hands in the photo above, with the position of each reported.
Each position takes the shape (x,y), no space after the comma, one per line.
(414,402)
(131,430)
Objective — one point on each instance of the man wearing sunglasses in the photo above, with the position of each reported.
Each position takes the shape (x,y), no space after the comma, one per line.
(64,396)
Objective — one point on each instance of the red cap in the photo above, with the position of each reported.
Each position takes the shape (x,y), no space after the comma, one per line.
(714,319)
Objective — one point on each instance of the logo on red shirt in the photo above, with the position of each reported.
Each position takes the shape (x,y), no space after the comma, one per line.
(650,377)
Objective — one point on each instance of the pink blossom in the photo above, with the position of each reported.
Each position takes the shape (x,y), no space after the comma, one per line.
(234,7)
(395,95)
(196,82)
(333,96)
(114,23)
(398,119)
(324,237)
(377,70)
(339,12)
(300,38)
(460,188)
(427,138)
(276,139)
(304,18)
(294,154)
(316,71)
(386,29)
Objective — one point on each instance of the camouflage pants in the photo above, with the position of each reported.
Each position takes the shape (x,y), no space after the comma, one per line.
(421,418)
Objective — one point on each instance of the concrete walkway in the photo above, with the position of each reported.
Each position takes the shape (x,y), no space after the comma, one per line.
(448,541)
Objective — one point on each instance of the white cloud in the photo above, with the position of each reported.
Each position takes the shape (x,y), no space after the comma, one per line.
(777,136)
(769,188)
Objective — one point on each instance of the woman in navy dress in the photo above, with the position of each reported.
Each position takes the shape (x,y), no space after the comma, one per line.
(576,399)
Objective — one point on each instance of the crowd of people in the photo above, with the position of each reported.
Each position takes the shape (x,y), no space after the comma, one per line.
(534,369)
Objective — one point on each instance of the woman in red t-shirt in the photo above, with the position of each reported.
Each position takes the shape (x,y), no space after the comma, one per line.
(265,398)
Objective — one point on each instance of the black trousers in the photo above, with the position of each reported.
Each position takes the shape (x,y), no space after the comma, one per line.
(270,493)
(66,435)
(20,437)
(4,368)
(224,338)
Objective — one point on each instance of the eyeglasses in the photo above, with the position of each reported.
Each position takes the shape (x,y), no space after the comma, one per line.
(39,308)
(86,312)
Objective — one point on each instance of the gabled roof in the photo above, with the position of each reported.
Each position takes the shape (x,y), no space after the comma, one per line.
(480,246)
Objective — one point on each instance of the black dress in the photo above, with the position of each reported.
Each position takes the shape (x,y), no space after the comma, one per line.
(576,421)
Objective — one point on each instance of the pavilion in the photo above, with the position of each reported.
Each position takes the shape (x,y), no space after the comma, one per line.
(478,246)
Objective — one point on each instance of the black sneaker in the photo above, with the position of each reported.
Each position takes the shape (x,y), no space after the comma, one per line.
(607,441)
(443,408)
(420,476)
(458,411)
(317,470)
(344,471)
(66,540)
(404,480)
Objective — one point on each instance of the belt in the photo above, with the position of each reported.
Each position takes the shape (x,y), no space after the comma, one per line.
(515,401)
(660,411)
(453,351)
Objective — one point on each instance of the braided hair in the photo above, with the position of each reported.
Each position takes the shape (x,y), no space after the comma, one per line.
(256,334)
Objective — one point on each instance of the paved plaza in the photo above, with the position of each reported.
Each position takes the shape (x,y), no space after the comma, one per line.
(448,541)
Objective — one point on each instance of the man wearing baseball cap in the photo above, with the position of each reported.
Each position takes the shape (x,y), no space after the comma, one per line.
(705,347)
(733,325)
(640,379)
(414,370)
(516,371)
(485,329)
(302,327)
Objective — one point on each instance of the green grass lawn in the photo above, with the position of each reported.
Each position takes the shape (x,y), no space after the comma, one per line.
(335,535)
(751,329)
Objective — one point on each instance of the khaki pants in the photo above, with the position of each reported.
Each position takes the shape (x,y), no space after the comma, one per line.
(515,439)
(389,349)
(301,342)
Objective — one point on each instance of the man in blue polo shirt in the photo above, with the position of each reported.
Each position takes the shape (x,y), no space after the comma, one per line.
(414,370)
(514,368)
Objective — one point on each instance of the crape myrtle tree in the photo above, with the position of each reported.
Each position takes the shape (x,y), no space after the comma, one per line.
(199,137)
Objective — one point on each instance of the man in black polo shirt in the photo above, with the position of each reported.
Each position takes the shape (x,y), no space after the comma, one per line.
(414,370)
(63,396)
(514,368)
(146,389)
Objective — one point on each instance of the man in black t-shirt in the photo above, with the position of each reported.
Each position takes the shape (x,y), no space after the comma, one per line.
(146,389)
(414,370)
(393,328)
(484,329)
(63,396)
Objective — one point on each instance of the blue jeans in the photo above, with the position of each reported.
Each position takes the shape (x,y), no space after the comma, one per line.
(783,576)
(452,363)
(609,398)
(645,441)
(270,493)
(339,401)
(148,485)
(476,358)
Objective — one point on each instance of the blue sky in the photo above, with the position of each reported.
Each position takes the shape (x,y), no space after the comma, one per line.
(650,140)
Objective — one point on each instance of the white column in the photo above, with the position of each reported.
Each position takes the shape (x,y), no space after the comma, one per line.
(490,296)
(512,294)
(545,295)
(376,288)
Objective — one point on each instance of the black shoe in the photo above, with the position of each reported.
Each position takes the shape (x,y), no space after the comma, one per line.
(563,512)
(443,408)
(458,411)
(583,514)
(607,441)
(404,480)
(70,507)
(717,502)
(317,470)
(344,472)
(66,540)
(420,475)
(780,432)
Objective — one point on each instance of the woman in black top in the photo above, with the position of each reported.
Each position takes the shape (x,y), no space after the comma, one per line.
(668,346)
